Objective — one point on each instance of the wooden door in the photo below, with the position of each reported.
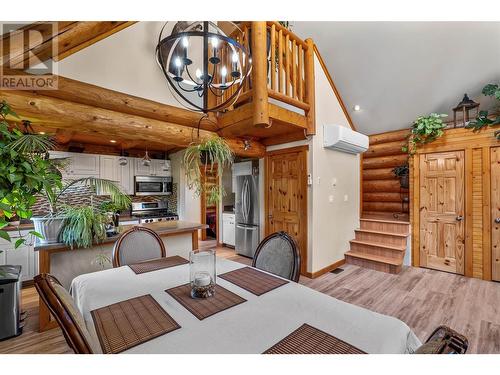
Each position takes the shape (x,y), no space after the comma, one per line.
(209,211)
(442,228)
(286,196)
(495,213)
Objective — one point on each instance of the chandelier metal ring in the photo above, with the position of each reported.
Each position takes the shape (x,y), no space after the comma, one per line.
(212,76)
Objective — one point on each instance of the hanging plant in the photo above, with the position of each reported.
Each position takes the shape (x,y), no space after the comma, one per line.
(483,118)
(212,155)
(424,130)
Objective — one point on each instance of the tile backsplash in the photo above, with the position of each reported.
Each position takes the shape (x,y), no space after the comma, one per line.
(85,195)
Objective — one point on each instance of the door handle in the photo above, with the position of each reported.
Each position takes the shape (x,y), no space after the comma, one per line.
(459,218)
(497,220)
(246,228)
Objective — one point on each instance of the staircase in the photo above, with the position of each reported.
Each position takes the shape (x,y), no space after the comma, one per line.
(380,244)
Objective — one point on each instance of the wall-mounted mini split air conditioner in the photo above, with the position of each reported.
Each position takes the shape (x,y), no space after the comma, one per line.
(343,139)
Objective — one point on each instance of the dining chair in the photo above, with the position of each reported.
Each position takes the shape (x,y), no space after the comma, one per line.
(62,307)
(137,244)
(278,254)
(444,340)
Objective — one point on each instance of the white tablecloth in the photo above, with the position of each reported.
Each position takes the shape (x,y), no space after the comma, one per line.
(251,327)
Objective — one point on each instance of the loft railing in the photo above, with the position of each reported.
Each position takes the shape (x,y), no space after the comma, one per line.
(282,69)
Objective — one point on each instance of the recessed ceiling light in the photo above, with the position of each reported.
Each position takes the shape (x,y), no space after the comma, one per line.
(42,133)
(112,141)
(357,107)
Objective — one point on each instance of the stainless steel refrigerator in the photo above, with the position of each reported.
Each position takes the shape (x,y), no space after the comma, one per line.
(247,215)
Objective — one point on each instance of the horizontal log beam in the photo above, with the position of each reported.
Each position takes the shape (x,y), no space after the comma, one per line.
(382,197)
(384,161)
(397,135)
(385,149)
(378,174)
(376,186)
(81,118)
(96,96)
(382,206)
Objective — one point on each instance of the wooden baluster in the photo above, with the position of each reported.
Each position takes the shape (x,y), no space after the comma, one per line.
(280,61)
(259,74)
(273,57)
(294,69)
(287,65)
(309,86)
(300,80)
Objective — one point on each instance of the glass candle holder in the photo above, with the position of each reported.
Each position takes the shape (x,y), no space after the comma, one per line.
(202,274)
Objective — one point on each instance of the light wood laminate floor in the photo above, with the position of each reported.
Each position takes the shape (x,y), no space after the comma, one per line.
(421,298)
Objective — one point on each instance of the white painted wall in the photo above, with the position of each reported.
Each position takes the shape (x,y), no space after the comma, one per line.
(123,62)
(330,224)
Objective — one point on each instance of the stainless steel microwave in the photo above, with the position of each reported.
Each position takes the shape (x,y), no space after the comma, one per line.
(153,185)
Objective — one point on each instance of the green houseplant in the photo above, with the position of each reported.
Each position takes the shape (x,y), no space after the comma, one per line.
(425,129)
(212,155)
(24,171)
(484,119)
(403,173)
(78,225)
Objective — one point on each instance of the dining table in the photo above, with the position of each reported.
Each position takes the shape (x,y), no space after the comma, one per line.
(252,326)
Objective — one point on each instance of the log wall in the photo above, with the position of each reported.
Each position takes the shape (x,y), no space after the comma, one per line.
(380,188)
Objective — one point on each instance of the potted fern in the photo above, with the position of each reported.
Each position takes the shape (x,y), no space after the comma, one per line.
(24,171)
(403,173)
(211,155)
(77,225)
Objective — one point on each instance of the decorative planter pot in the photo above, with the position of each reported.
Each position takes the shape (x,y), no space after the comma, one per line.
(404,181)
(49,228)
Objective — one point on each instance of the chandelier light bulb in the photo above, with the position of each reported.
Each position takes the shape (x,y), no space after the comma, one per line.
(185,42)
(235,57)
(178,62)
(198,73)
(215,42)
(223,71)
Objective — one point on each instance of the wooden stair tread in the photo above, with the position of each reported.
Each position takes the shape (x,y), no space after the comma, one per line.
(379,244)
(375,258)
(382,232)
(385,221)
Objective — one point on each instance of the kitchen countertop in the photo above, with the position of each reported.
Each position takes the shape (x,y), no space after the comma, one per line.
(163,228)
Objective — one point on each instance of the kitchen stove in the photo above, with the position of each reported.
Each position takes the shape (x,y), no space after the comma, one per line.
(152,212)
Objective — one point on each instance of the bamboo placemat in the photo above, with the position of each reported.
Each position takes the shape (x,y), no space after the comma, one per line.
(157,264)
(202,308)
(253,280)
(126,324)
(309,340)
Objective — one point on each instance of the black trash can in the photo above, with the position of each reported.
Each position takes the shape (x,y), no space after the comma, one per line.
(10,296)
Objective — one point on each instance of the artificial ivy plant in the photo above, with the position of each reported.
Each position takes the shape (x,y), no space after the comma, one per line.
(425,129)
(212,154)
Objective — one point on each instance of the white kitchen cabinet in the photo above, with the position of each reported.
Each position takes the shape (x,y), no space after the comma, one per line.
(161,168)
(228,229)
(110,169)
(126,176)
(24,256)
(78,165)
(143,170)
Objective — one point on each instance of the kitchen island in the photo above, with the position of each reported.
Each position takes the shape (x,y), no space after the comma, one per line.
(65,263)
